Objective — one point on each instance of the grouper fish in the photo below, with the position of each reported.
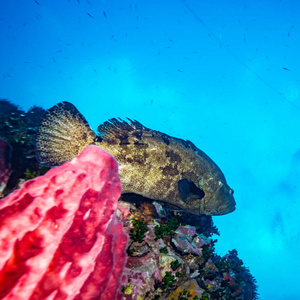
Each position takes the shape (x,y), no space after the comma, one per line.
(151,163)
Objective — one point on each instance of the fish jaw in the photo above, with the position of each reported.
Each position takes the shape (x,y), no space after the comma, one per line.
(221,203)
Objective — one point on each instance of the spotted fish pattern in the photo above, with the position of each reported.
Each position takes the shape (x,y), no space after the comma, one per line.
(151,163)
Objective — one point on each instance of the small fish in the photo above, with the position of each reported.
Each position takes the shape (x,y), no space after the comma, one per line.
(286,69)
(14,118)
(90,15)
(151,163)
(37,3)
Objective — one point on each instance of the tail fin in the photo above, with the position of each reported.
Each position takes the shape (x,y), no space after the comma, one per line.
(62,135)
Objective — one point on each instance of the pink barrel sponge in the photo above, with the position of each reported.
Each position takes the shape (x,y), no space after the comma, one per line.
(59,233)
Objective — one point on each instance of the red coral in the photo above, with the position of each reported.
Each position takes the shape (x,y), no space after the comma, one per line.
(59,234)
(230,279)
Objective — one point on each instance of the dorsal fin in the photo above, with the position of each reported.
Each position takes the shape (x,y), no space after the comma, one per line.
(118,130)
(62,135)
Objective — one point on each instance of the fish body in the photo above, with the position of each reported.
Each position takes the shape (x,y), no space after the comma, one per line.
(151,163)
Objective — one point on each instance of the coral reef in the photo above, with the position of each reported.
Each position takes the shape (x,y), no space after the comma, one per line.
(60,236)
(170,254)
(169,259)
(5,166)
(18,128)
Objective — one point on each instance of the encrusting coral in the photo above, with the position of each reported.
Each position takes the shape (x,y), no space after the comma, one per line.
(168,259)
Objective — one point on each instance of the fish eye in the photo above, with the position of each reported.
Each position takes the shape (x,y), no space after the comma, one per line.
(231,191)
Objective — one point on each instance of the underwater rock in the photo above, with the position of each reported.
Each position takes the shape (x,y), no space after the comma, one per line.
(171,260)
(5,166)
(189,290)
(183,241)
(19,129)
(59,233)
(139,249)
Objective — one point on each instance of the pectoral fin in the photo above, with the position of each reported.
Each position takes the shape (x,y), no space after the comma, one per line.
(62,135)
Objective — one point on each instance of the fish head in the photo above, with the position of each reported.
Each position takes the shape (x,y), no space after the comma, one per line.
(218,198)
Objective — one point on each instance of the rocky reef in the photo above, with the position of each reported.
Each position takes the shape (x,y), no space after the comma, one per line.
(5,166)
(168,254)
(18,128)
(170,259)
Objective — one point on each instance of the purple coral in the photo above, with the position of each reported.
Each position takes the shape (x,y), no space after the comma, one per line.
(180,263)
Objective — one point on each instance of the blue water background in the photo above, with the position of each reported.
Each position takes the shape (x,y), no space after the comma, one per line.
(223,74)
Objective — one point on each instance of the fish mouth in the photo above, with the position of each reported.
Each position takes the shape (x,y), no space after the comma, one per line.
(226,208)
(222,202)
(229,204)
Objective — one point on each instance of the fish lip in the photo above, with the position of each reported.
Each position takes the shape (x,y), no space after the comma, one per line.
(228,207)
(228,211)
